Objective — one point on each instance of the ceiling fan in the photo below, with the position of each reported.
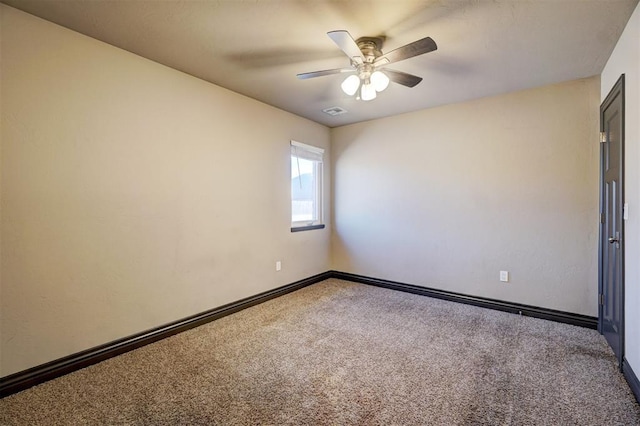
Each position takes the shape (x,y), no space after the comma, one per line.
(367,61)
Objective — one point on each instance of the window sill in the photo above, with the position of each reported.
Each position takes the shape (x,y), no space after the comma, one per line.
(306,228)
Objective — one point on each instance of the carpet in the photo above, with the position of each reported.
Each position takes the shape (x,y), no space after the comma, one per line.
(342,353)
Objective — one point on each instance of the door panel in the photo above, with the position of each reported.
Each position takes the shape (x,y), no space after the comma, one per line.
(611,309)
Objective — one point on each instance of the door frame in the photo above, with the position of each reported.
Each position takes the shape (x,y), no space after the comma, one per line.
(617,89)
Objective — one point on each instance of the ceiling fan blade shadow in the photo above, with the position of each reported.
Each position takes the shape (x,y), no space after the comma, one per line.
(430,12)
(330,96)
(347,44)
(313,74)
(418,47)
(403,78)
(449,66)
(278,57)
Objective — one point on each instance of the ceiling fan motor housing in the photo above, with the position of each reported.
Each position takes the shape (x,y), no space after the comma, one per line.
(371,48)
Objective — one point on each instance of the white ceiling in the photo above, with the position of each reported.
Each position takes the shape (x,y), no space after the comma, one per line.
(256,48)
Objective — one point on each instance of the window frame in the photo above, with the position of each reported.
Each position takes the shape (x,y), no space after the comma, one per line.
(315,154)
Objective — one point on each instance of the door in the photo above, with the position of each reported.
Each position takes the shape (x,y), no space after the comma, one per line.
(611,308)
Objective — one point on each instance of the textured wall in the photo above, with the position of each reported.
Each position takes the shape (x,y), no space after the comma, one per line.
(448,197)
(133,195)
(626,59)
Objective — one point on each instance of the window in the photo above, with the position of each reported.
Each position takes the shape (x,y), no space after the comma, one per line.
(306,187)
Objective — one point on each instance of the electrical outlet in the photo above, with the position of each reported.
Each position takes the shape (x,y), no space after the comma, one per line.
(504,276)
(278,265)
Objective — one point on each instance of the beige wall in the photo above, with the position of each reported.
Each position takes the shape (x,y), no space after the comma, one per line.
(625,59)
(448,197)
(133,195)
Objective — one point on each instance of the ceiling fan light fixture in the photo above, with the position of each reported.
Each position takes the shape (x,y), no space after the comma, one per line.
(379,80)
(350,85)
(368,91)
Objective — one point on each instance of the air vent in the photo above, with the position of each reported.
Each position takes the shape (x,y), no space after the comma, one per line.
(334,111)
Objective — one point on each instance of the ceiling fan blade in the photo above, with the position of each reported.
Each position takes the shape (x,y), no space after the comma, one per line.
(403,78)
(347,44)
(305,75)
(407,51)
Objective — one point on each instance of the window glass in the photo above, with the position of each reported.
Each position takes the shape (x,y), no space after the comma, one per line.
(303,190)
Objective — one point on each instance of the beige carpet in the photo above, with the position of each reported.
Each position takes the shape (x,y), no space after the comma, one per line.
(341,353)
